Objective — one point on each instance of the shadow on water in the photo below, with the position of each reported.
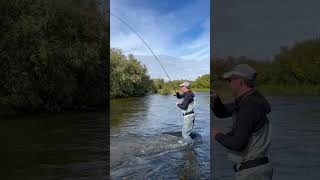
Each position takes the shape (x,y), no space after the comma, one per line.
(62,146)
(122,110)
(145,143)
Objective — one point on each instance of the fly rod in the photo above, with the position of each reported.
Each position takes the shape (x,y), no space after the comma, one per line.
(144,44)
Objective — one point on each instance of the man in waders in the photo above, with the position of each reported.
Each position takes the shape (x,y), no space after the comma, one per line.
(249,140)
(187,106)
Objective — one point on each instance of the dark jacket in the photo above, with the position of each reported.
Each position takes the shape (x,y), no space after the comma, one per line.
(249,111)
(187,98)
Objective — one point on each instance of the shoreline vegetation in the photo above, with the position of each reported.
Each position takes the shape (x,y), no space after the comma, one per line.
(53,60)
(294,71)
(274,90)
(52,57)
(129,78)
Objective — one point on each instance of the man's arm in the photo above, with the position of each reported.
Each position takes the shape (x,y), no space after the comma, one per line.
(179,96)
(238,139)
(222,110)
(187,99)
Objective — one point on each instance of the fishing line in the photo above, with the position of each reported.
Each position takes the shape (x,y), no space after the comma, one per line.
(146,44)
(143,42)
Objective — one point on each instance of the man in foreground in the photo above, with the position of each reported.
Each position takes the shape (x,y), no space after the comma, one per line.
(187,106)
(249,140)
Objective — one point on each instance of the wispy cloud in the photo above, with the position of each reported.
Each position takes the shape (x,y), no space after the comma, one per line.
(177,68)
(199,48)
(179,35)
(170,33)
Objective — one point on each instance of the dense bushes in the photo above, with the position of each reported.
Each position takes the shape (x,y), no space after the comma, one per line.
(50,55)
(298,65)
(202,82)
(162,87)
(128,77)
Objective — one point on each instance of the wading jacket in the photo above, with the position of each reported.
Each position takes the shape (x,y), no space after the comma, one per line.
(188,103)
(250,136)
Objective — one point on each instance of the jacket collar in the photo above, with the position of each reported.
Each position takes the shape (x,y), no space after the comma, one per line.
(240,98)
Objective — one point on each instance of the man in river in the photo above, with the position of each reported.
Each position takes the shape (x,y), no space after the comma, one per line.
(187,106)
(249,140)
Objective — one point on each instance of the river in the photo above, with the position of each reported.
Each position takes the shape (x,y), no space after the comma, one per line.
(54,146)
(140,147)
(73,145)
(295,149)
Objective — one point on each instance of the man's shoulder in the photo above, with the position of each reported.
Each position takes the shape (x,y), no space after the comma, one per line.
(190,94)
(255,100)
(249,103)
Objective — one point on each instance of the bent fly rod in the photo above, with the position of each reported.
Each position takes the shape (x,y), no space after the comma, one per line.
(143,42)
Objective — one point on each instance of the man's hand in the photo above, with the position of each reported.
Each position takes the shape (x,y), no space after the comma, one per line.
(215,131)
(213,97)
(175,93)
(177,103)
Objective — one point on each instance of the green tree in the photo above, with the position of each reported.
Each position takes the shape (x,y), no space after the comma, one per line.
(49,55)
(202,81)
(128,77)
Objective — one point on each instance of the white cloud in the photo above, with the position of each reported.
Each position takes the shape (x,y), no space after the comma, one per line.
(158,30)
(177,68)
(199,48)
(186,58)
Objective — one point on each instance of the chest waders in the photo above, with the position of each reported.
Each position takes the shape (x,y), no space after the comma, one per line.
(188,122)
(253,162)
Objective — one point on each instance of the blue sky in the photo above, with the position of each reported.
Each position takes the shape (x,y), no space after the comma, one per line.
(177,28)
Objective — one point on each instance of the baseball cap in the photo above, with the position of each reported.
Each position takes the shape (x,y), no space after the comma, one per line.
(242,70)
(187,84)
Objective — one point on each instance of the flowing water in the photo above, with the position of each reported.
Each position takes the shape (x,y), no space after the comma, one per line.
(144,145)
(295,149)
(144,142)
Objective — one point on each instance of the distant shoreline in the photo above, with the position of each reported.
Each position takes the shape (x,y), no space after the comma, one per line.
(277,90)
(200,90)
(10,113)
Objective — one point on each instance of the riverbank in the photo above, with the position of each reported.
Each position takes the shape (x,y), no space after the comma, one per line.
(200,89)
(290,90)
(8,112)
(223,90)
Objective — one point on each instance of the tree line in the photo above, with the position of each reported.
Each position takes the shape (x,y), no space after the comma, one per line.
(298,65)
(52,58)
(162,87)
(51,55)
(129,77)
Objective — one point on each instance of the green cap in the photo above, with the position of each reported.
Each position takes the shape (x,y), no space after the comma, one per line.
(242,70)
